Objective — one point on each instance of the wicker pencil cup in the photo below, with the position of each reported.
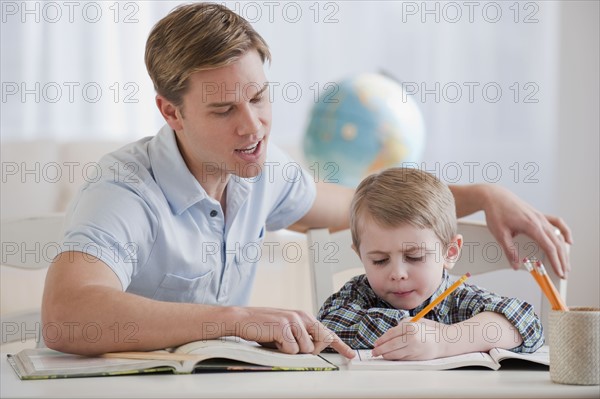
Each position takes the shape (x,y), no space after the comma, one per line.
(574,340)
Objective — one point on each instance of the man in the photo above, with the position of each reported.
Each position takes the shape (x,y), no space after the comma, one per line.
(151,260)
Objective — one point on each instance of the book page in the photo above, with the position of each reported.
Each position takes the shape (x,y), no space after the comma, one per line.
(61,361)
(364,360)
(48,363)
(541,356)
(249,352)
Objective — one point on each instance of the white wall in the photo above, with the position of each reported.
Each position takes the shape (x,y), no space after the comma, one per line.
(559,53)
(577,156)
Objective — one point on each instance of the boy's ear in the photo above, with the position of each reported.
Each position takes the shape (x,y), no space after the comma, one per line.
(453,251)
(170,112)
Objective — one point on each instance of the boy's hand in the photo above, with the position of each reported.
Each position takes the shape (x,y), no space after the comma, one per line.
(421,340)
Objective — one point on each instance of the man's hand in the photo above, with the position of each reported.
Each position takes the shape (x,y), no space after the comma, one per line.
(289,330)
(507,215)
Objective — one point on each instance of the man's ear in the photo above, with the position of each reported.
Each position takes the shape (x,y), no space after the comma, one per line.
(453,251)
(170,112)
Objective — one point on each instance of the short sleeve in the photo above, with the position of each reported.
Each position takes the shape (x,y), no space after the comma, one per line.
(472,300)
(113,223)
(295,189)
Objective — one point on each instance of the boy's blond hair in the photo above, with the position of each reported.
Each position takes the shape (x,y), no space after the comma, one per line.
(398,196)
(196,37)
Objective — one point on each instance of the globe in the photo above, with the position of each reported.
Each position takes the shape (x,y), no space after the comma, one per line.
(362,125)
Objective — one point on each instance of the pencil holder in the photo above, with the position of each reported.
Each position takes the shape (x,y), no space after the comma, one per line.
(574,340)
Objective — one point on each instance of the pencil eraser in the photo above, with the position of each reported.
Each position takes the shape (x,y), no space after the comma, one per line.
(468,274)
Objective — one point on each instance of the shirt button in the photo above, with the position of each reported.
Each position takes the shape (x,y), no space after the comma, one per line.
(213,213)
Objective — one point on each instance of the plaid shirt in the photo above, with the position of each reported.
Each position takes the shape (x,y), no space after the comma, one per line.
(359,317)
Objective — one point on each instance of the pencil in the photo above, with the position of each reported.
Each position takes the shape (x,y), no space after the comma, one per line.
(439,299)
(558,302)
(528,263)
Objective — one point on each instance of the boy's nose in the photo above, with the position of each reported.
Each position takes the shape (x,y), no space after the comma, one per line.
(399,271)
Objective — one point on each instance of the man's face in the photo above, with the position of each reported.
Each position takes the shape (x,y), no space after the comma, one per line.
(403,264)
(226,120)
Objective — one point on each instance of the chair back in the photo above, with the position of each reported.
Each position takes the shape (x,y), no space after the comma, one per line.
(332,262)
(29,246)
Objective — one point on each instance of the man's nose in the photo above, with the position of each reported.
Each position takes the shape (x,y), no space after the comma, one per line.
(249,122)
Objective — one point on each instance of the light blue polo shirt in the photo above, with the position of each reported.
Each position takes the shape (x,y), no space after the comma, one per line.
(147,217)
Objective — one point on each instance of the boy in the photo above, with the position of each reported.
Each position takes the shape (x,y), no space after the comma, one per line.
(404,230)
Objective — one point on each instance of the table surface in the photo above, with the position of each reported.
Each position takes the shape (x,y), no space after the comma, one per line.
(465,383)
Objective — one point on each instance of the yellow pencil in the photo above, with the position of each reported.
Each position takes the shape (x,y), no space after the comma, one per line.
(529,265)
(440,298)
(558,302)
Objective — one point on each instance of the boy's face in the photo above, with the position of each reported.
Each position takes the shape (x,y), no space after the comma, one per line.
(226,119)
(404,265)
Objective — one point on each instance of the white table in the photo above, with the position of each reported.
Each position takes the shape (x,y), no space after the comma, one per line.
(326,384)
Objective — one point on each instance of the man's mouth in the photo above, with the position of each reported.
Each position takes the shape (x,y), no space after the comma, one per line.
(248,150)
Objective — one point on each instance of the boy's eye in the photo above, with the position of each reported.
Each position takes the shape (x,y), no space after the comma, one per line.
(380,261)
(257,100)
(415,258)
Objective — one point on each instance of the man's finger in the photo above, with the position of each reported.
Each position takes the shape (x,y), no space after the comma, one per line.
(558,257)
(342,348)
(510,250)
(297,333)
(324,337)
(564,229)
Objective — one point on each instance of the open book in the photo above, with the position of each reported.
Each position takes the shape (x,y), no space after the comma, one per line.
(232,354)
(492,360)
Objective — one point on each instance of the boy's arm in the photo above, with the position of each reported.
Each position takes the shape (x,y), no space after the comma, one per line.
(523,321)
(483,332)
(357,316)
(475,320)
(428,339)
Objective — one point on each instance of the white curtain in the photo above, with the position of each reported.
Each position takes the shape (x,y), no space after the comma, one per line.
(483,73)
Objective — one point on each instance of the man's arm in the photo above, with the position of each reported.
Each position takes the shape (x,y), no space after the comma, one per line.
(85,311)
(506,216)
(331,209)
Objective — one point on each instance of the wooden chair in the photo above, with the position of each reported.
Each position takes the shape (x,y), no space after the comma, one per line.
(28,247)
(332,262)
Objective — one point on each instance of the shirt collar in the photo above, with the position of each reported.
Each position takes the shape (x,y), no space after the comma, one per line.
(180,187)
(440,309)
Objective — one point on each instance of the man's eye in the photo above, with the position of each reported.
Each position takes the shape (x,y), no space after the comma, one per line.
(224,113)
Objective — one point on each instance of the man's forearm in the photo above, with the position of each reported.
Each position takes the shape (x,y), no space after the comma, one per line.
(103,319)
(469,198)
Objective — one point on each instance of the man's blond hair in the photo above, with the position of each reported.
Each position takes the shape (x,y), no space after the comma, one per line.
(196,37)
(398,196)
